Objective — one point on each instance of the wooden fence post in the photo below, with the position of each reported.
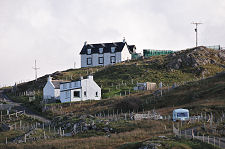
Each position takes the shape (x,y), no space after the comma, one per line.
(25,138)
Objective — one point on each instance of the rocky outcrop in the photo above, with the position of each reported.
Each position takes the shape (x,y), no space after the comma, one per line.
(194,58)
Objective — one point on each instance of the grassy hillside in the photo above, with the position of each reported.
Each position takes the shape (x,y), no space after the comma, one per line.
(181,66)
(200,96)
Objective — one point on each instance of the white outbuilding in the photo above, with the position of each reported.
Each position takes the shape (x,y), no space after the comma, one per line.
(52,89)
(83,89)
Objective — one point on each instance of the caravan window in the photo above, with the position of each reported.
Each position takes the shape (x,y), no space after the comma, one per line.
(185,114)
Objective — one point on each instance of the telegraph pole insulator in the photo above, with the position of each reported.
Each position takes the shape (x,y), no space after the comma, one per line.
(196,31)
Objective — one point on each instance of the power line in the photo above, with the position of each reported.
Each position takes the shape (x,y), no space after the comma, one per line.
(35,69)
(196,31)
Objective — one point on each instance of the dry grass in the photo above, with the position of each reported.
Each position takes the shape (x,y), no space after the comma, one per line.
(155,128)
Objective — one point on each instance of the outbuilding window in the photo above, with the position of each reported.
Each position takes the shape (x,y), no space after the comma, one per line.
(96,94)
(76,94)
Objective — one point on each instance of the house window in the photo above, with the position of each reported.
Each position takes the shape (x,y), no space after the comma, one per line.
(112,59)
(89,61)
(88,51)
(85,93)
(76,94)
(113,49)
(96,94)
(100,50)
(101,60)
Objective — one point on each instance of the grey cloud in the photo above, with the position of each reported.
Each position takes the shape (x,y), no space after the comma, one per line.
(53,31)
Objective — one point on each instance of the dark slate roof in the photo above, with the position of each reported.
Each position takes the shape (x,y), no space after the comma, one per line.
(131,48)
(106,47)
(56,83)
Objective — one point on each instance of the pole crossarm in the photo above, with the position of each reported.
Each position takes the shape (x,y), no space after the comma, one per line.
(196,31)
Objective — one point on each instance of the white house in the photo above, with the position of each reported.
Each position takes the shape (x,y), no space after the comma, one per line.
(103,54)
(52,89)
(83,89)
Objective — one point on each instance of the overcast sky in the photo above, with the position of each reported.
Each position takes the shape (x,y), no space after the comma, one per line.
(54,31)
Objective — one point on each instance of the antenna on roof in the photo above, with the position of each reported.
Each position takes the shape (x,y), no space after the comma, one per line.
(196,31)
(35,69)
(124,40)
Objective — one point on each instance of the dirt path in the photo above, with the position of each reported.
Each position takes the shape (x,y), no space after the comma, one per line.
(20,107)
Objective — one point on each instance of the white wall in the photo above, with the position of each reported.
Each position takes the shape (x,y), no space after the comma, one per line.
(83,60)
(57,93)
(67,88)
(76,98)
(49,91)
(120,56)
(88,85)
(125,55)
(91,87)
(63,97)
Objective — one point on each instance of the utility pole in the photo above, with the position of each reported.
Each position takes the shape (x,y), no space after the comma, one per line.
(35,69)
(74,66)
(196,31)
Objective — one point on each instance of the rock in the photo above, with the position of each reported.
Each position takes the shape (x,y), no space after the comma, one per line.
(151,146)
(221,55)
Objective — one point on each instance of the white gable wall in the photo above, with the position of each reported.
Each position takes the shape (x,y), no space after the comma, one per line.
(49,91)
(125,55)
(91,87)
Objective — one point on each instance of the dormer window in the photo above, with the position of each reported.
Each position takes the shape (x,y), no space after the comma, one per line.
(113,49)
(88,51)
(100,50)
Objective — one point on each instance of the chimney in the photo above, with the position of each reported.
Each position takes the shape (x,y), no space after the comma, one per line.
(90,77)
(49,78)
(81,77)
(85,43)
(124,40)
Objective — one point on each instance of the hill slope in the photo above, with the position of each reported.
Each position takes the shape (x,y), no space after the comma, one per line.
(180,66)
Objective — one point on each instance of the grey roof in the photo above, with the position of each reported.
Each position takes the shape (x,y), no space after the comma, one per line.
(106,47)
(131,48)
(56,83)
